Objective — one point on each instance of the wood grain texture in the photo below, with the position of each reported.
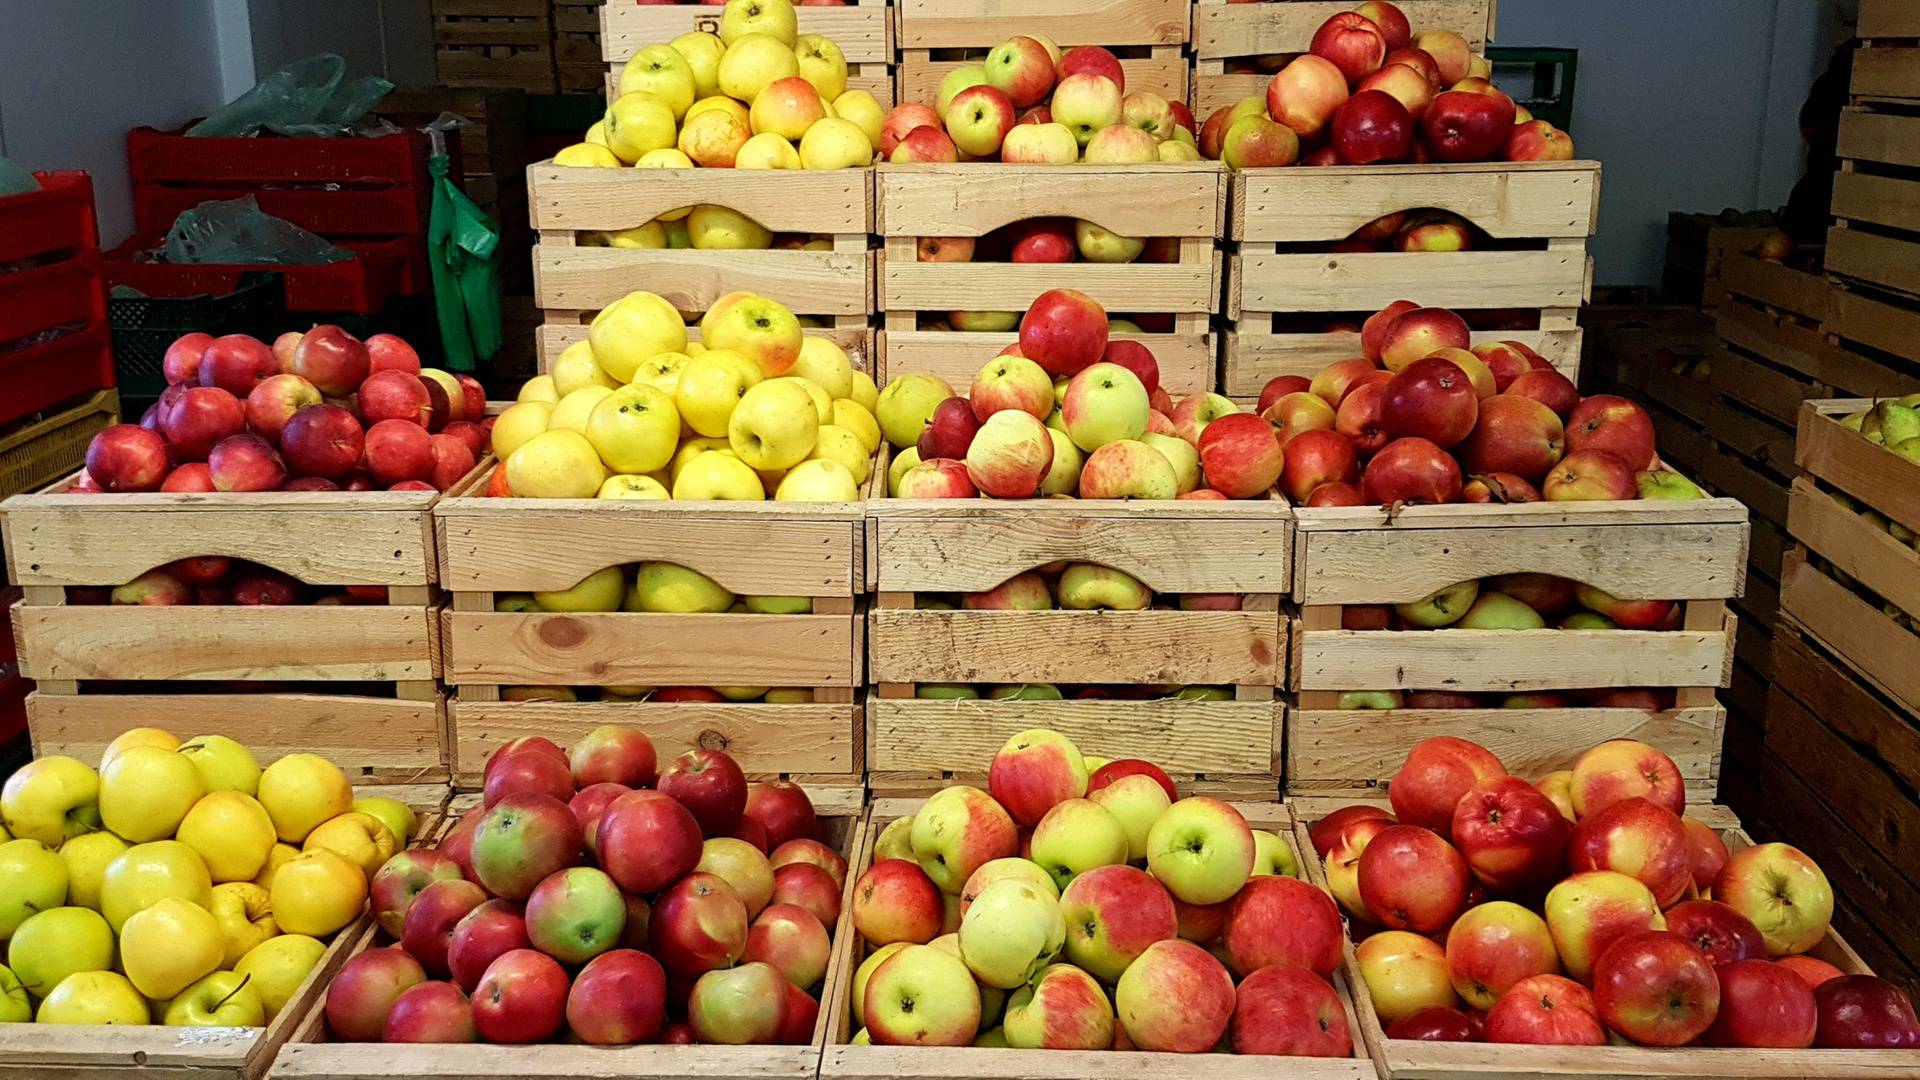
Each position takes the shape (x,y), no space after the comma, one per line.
(1251,358)
(1885,138)
(1854,545)
(1845,459)
(1803,669)
(1764,389)
(1509,201)
(1223,30)
(222,643)
(1155,288)
(1891,70)
(1888,19)
(1186,360)
(944,24)
(1516,661)
(1882,651)
(650,649)
(1183,737)
(1368,281)
(804,201)
(1735,478)
(764,739)
(1803,292)
(864,33)
(808,282)
(1172,199)
(1175,647)
(917,77)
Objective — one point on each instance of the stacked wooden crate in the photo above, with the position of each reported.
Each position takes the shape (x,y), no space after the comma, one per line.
(578,68)
(1696,246)
(862,29)
(498,44)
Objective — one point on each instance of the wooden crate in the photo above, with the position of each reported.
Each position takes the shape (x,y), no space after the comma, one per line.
(56,541)
(922,546)
(87,1051)
(309,1055)
(1886,65)
(1696,245)
(1405,1059)
(1690,551)
(936,36)
(573,282)
(1184,200)
(1875,240)
(499,44)
(1225,31)
(773,548)
(1619,331)
(843,1061)
(1541,214)
(862,30)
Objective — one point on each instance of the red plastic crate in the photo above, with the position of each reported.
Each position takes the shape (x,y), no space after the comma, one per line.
(45,375)
(44,297)
(56,219)
(394,211)
(363,284)
(158,157)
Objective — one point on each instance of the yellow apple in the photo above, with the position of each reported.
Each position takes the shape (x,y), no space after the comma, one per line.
(787,108)
(587,155)
(633,330)
(664,586)
(556,465)
(1177,150)
(754,60)
(859,107)
(716,228)
(94,997)
(835,144)
(824,65)
(716,474)
(276,967)
(772,17)
(317,893)
(145,874)
(721,103)
(835,443)
(15,1006)
(818,481)
(660,70)
(713,137)
(904,407)
(538,388)
(865,393)
(848,414)
(518,423)
(575,367)
(87,857)
(774,426)
(635,429)
(702,53)
(397,816)
(661,372)
(231,832)
(598,591)
(711,385)
(902,461)
(52,798)
(281,855)
(822,404)
(576,409)
(625,486)
(361,839)
(145,791)
(778,605)
(167,947)
(224,764)
(639,122)
(788,696)
(693,448)
(302,790)
(245,914)
(140,736)
(767,150)
(223,999)
(824,364)
(596,133)
(741,693)
(762,330)
(667,157)
(651,236)
(56,943)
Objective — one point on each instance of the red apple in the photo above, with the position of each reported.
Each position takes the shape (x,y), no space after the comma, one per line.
(1615,425)
(1430,399)
(1511,835)
(904,118)
(1359,416)
(896,901)
(1405,84)
(1865,1012)
(181,364)
(1464,126)
(236,363)
(1285,922)
(647,840)
(394,395)
(1049,241)
(1241,455)
(613,754)
(1280,386)
(1306,94)
(199,417)
(331,359)
(1336,494)
(1437,1023)
(323,440)
(1411,879)
(1314,458)
(522,998)
(246,463)
(451,461)
(1411,470)
(1589,476)
(481,936)
(1063,330)
(1092,60)
(431,917)
(1546,1010)
(809,887)
(1289,1012)
(1353,43)
(618,999)
(399,450)
(1537,140)
(1655,988)
(1106,774)
(386,352)
(1548,387)
(127,457)
(949,431)
(430,1012)
(1514,434)
(528,772)
(1136,358)
(363,992)
(1393,24)
(1437,773)
(470,433)
(1326,832)
(1419,333)
(403,877)
(1498,487)
(1762,1005)
(698,925)
(783,809)
(1706,852)
(1811,970)
(1373,332)
(710,785)
(521,839)
(1717,930)
(1637,838)
(1373,127)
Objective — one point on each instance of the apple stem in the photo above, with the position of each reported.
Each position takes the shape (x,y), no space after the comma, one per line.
(244,980)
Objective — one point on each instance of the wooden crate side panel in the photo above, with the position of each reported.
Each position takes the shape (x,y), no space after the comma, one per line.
(1885,138)
(1858,548)
(808,282)
(1845,459)
(1886,71)
(1183,737)
(1845,705)
(863,33)
(1778,285)
(1252,358)
(1368,281)
(917,78)
(960,24)
(1885,653)
(1222,29)
(224,643)
(1886,261)
(1734,478)
(967,200)
(1878,200)
(650,649)
(1172,647)
(1186,360)
(973,554)
(1513,661)
(1179,288)
(806,201)
(1508,201)
(1888,19)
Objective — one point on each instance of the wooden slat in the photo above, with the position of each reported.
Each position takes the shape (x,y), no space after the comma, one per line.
(1222,29)
(1756,438)
(945,24)
(806,201)
(1778,285)
(1886,72)
(1730,476)
(1183,737)
(973,554)
(1846,460)
(1171,647)
(1882,200)
(862,33)
(1868,554)
(1252,358)
(1884,652)
(1764,389)
(1882,260)
(651,649)
(1508,201)
(1512,660)
(1175,199)
(1842,703)
(1372,280)
(808,282)
(224,643)
(1888,19)
(1887,138)
(1186,360)
(1875,805)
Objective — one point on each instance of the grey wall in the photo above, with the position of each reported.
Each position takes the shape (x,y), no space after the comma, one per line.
(1688,105)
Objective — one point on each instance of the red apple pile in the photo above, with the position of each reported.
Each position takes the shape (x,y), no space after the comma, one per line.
(1040,240)
(590,898)
(1068,410)
(1414,230)
(316,411)
(1080,904)
(1370,91)
(1423,418)
(1585,907)
(218,579)
(1030,102)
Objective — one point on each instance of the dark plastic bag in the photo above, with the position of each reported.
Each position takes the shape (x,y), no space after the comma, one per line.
(236,232)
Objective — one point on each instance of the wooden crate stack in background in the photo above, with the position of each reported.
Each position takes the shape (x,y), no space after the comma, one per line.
(498,44)
(578,68)
(1696,244)
(1149,37)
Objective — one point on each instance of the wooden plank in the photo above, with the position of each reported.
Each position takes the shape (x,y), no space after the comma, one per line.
(1766,390)
(949,24)
(1252,358)
(1515,661)
(649,649)
(1183,737)
(1880,200)
(1186,360)
(804,201)
(1157,288)
(1882,651)
(808,282)
(1223,29)
(1758,439)
(973,554)
(862,33)
(1888,19)
(1886,72)
(293,644)
(1171,199)
(1536,200)
(1777,285)
(1845,459)
(1886,736)
(1875,805)
(1887,138)
(1171,647)
(1854,545)
(1371,280)
(1730,476)
(1881,260)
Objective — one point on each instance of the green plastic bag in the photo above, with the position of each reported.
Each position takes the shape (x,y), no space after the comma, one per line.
(463,250)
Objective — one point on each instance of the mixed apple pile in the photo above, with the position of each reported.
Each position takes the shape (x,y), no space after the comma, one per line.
(753,410)
(1370,91)
(1021,916)
(1586,908)
(1067,410)
(181,883)
(1423,418)
(219,579)
(758,94)
(316,411)
(593,897)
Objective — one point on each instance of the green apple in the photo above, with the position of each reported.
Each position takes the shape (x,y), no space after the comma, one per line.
(50,799)
(1063,476)
(1010,932)
(906,403)
(94,997)
(33,878)
(517,603)
(1369,699)
(957,831)
(993,1000)
(774,426)
(1098,244)
(1201,849)
(1909,449)
(1026,692)
(1075,836)
(993,1039)
(1179,453)
(1587,620)
(598,591)
(907,459)
(1137,801)
(1009,869)
(1443,608)
(15,1006)
(958,79)
(895,841)
(865,972)
(222,999)
(636,428)
(663,586)
(1202,693)
(56,943)
(1498,611)
(1087,587)
(224,764)
(946,692)
(1105,403)
(1896,423)
(780,605)
(1273,856)
(1663,484)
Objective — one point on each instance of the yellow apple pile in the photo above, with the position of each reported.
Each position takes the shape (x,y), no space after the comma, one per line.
(755,410)
(756,95)
(181,883)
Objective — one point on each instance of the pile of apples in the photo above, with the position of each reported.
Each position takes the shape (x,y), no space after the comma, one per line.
(1066,410)
(1370,91)
(983,933)
(592,899)
(181,884)
(219,579)
(1421,418)
(316,411)
(1585,907)
(756,95)
(754,410)
(1040,240)
(1031,103)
